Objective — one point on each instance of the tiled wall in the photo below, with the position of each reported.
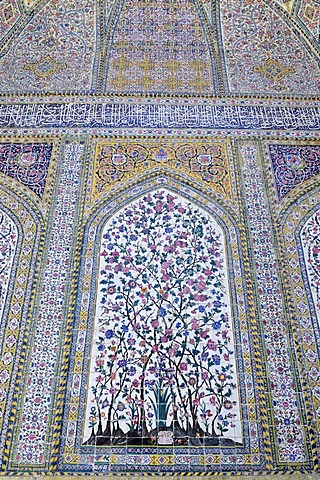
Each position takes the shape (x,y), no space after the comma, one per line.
(159,298)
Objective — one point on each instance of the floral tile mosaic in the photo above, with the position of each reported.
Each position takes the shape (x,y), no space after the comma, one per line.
(159,238)
(154,351)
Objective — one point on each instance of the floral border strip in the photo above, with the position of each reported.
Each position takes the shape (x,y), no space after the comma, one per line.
(290,436)
(31,434)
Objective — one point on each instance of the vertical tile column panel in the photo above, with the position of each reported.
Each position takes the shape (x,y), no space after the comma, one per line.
(289,432)
(32,439)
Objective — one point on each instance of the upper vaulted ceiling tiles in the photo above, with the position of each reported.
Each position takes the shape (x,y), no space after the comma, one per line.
(262,54)
(309,14)
(166,47)
(160,47)
(54,52)
(9,14)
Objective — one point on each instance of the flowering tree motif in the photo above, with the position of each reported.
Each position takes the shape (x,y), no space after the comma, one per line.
(310,236)
(8,243)
(162,362)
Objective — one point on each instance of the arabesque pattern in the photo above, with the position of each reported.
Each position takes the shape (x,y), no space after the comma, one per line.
(160,51)
(262,53)
(54,51)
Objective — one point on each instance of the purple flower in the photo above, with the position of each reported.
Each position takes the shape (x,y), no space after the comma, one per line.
(132,284)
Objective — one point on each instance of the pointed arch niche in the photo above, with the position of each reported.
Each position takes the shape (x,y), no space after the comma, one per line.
(8,247)
(21,227)
(310,242)
(300,226)
(156,364)
(162,362)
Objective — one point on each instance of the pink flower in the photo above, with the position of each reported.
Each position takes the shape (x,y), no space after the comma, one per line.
(183,366)
(202,298)
(165,264)
(164,339)
(212,345)
(159,207)
(155,323)
(195,324)
(204,375)
(204,333)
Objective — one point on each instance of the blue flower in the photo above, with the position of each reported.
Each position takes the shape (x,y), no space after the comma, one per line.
(110,246)
(216,359)
(204,356)
(216,325)
(122,363)
(133,237)
(202,308)
(109,333)
(217,304)
(169,230)
(101,347)
(124,328)
(162,312)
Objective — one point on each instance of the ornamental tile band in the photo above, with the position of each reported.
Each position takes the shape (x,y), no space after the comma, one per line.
(159,116)
(116,162)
